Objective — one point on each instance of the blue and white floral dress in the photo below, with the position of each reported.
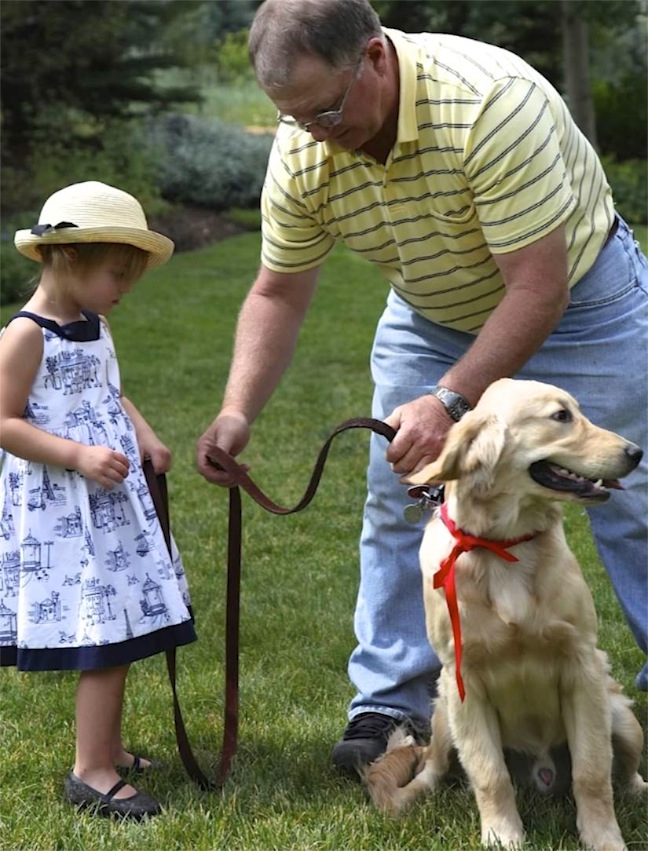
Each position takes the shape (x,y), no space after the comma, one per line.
(86,580)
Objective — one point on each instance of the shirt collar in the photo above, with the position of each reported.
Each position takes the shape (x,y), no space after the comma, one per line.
(406,52)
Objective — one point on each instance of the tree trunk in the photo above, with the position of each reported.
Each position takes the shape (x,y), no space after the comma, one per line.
(576,63)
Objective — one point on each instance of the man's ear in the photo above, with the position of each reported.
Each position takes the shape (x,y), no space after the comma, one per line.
(377,53)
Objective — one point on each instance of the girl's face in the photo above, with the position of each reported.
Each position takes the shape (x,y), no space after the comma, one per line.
(101,288)
(96,277)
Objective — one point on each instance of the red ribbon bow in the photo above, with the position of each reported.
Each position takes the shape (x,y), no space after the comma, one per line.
(445,576)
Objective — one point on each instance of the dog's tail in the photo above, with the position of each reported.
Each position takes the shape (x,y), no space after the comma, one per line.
(394,780)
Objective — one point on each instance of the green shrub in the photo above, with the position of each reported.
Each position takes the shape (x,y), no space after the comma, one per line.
(211,164)
(622,114)
(120,155)
(629,182)
(233,60)
(244,104)
(116,152)
(16,271)
(249,218)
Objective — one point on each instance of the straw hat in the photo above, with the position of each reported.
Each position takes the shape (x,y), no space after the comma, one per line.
(93,212)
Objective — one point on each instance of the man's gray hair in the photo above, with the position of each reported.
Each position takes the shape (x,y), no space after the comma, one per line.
(283,30)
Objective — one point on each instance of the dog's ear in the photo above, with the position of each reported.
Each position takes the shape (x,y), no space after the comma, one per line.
(483,453)
(473,447)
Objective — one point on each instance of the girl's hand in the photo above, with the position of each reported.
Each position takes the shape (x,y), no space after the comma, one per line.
(103,465)
(149,444)
(151,447)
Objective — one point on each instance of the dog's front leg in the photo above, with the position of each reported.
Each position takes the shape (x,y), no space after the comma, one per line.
(477,738)
(587,718)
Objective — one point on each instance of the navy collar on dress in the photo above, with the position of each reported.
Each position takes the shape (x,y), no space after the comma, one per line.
(80,331)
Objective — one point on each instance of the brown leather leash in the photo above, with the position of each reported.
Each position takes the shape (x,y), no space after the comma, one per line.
(158,489)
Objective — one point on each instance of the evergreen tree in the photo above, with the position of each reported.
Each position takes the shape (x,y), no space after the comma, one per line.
(96,60)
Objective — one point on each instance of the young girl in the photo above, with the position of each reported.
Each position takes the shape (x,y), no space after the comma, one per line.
(86,580)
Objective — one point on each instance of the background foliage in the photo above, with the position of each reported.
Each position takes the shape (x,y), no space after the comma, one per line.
(200,162)
(157,97)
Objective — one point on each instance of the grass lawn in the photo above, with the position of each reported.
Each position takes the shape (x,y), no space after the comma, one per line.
(174,336)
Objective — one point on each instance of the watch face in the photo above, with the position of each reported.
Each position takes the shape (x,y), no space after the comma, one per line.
(454,403)
(454,410)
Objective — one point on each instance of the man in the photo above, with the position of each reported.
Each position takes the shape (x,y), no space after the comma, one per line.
(457,170)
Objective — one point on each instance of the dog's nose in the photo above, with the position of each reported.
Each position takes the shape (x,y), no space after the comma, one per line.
(634,454)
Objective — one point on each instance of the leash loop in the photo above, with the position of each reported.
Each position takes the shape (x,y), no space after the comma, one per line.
(241,479)
(157,487)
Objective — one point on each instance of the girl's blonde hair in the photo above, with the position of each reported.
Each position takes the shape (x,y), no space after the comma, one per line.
(130,261)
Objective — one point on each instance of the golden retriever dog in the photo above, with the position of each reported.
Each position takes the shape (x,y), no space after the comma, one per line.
(512,620)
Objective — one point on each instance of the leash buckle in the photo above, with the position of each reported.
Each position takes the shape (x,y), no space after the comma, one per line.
(427,497)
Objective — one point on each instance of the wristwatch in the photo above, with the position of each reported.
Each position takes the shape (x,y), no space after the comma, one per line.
(454,403)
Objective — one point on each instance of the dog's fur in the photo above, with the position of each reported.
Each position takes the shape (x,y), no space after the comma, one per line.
(534,678)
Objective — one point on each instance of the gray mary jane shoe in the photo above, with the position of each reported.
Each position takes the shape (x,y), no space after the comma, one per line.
(137,807)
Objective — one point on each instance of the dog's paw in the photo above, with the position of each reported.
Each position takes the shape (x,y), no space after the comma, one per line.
(637,786)
(604,836)
(511,839)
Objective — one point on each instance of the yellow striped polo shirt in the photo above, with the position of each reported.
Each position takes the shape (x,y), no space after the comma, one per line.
(487,160)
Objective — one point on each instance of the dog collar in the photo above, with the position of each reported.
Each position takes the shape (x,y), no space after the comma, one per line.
(445,576)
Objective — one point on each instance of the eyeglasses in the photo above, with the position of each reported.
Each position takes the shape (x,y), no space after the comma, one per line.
(329,118)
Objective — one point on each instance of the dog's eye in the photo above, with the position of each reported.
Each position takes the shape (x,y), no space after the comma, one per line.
(562,416)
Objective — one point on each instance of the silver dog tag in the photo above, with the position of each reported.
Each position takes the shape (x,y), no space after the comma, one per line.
(413,512)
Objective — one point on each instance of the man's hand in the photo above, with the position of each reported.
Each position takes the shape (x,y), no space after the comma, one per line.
(230,432)
(421,427)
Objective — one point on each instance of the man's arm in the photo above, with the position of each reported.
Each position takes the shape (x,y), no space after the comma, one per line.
(266,336)
(537,295)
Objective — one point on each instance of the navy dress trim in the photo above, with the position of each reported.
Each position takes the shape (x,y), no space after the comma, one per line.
(80,331)
(98,656)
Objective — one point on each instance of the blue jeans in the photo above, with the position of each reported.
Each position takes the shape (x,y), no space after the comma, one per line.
(599,354)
